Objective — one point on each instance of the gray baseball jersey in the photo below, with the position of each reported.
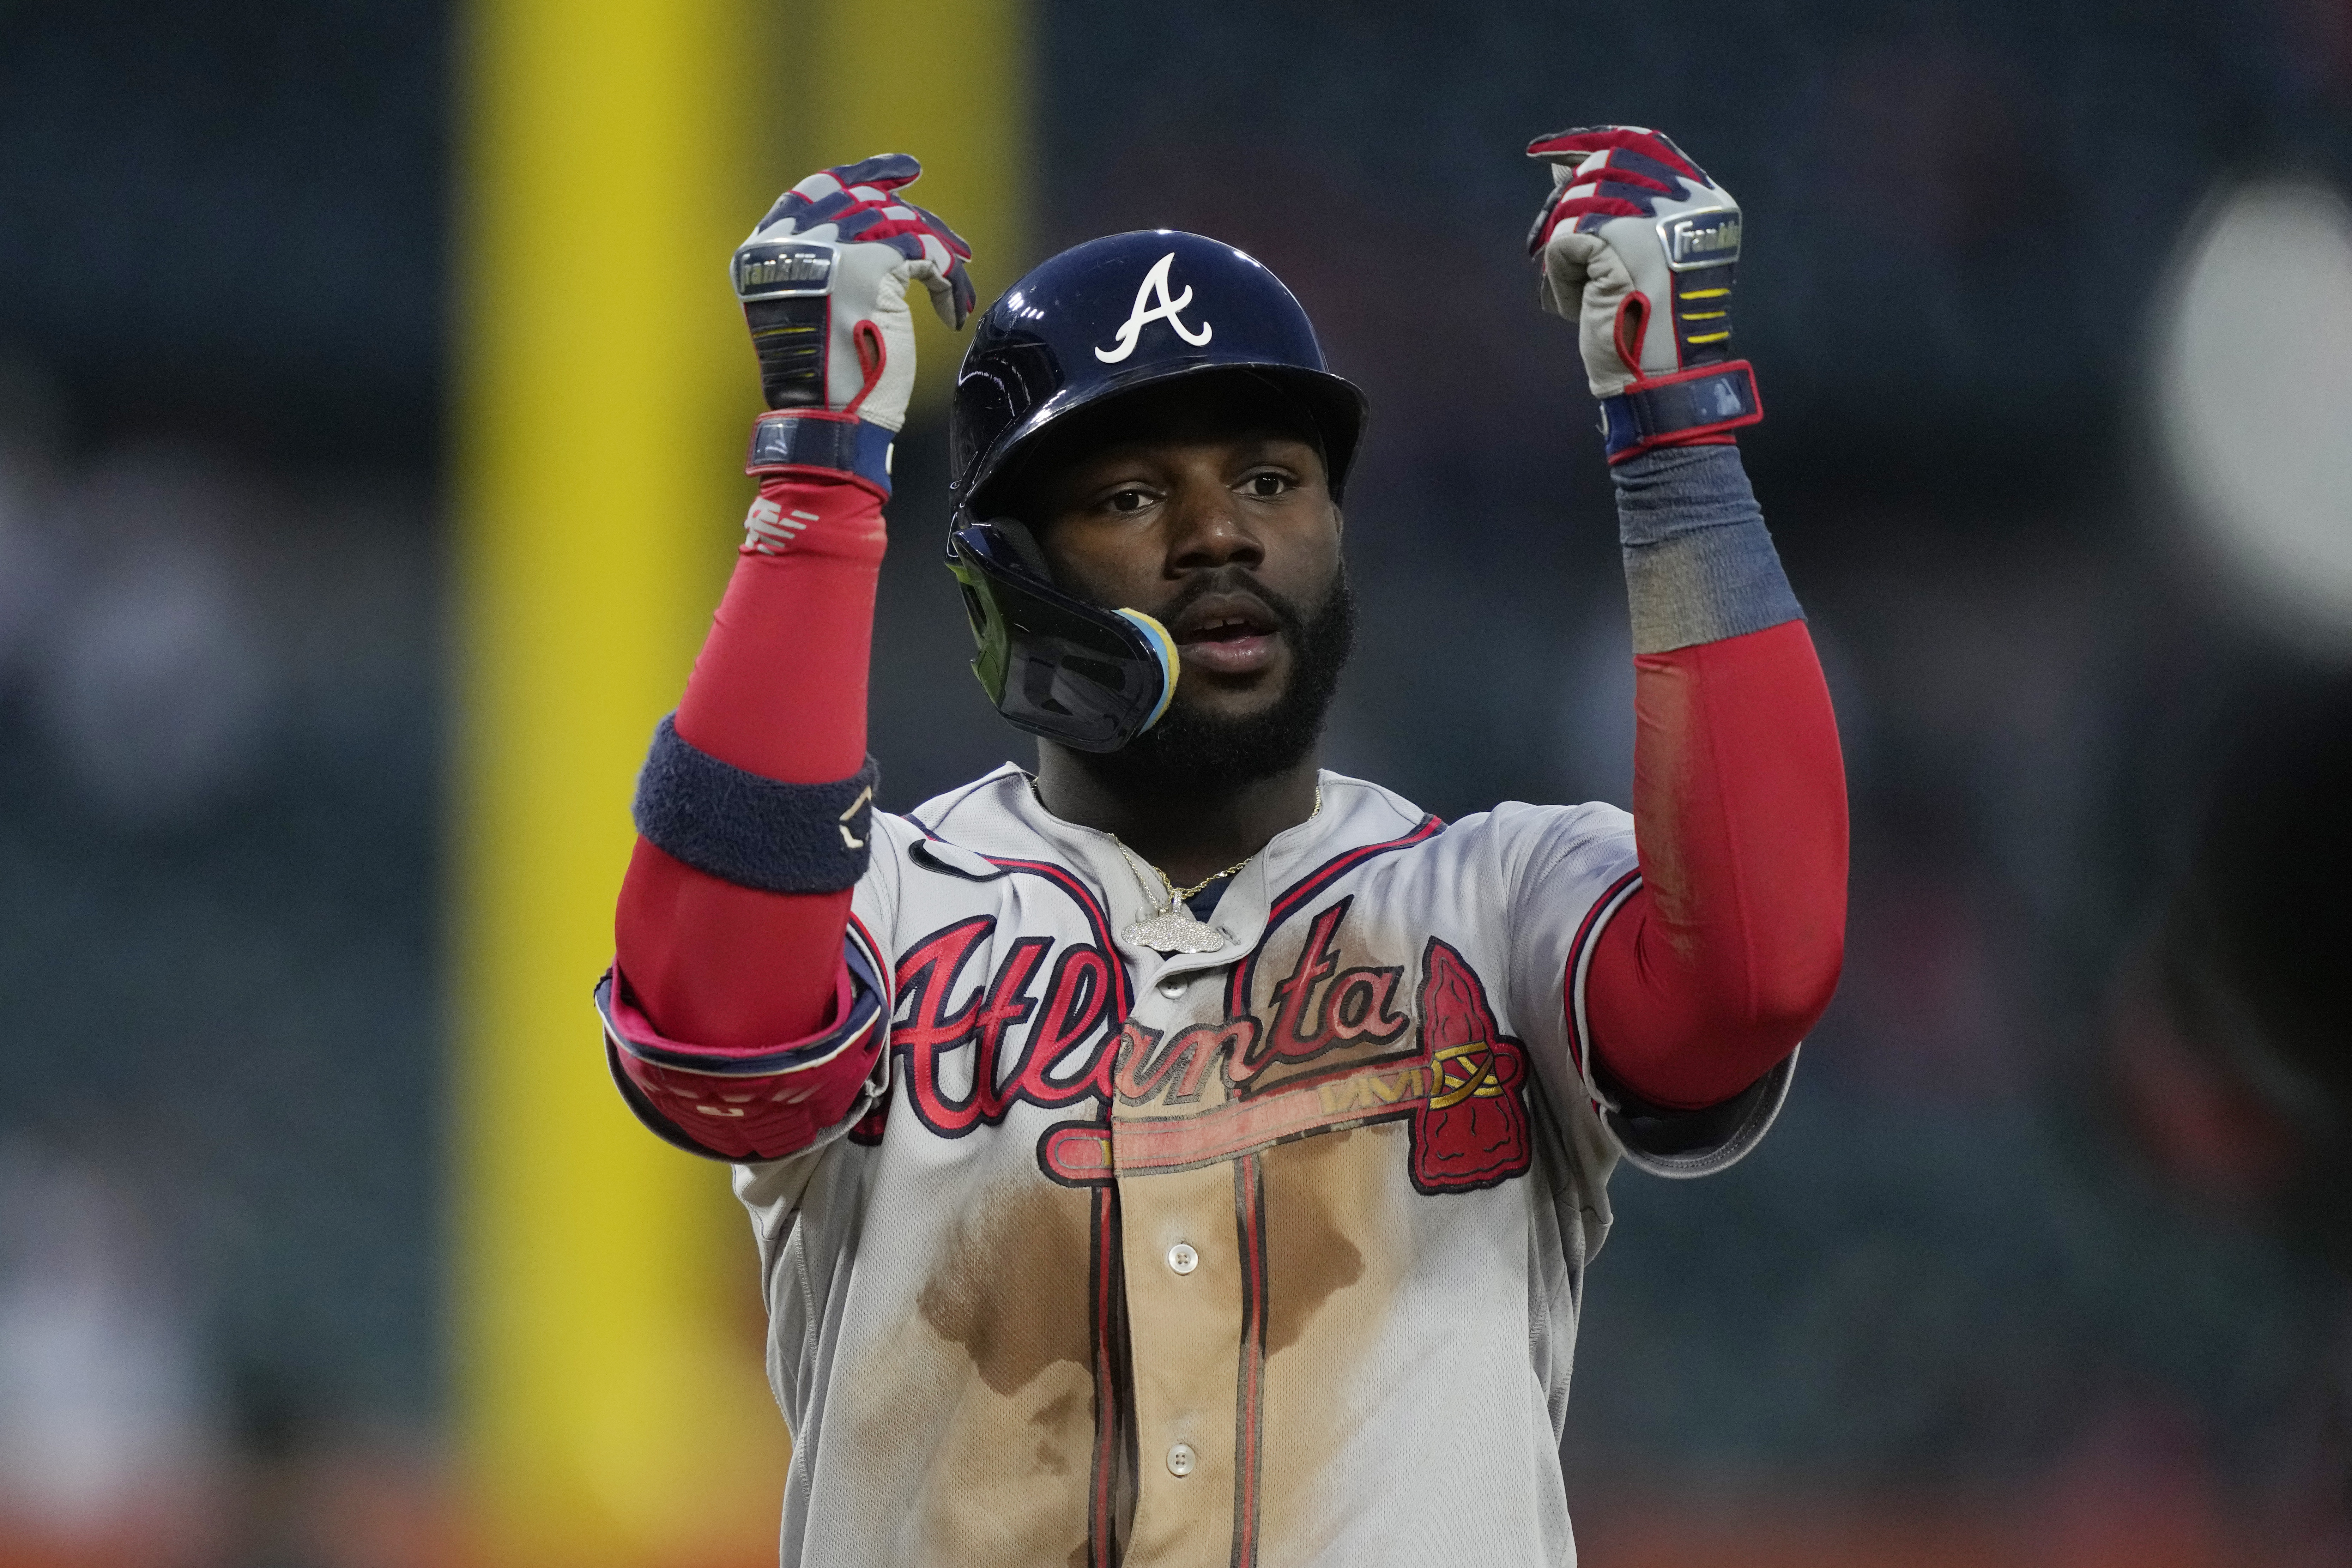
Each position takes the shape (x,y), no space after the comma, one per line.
(1267,1254)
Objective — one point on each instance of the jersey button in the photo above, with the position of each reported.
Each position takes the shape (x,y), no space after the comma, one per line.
(1173,986)
(1181,1460)
(1182,1259)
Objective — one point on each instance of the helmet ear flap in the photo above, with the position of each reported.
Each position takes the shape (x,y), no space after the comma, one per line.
(1056,666)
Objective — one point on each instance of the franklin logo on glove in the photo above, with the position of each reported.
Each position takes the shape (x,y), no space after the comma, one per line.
(1701,241)
(768,271)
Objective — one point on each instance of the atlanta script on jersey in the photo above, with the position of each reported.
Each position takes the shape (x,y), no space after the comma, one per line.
(1265,1255)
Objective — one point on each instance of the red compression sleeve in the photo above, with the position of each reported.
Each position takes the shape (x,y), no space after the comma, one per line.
(779,691)
(1728,953)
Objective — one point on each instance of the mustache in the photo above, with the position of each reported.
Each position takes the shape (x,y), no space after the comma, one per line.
(1287,611)
(1189,753)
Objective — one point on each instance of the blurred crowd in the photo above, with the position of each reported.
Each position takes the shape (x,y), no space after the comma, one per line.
(217,1160)
(2050,1262)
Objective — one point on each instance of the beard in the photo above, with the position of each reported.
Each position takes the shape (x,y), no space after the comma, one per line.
(1190,753)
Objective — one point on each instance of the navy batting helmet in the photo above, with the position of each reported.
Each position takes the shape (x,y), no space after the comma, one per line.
(1102,319)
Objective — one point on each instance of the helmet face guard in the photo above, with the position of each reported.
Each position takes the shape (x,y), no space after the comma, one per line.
(1056,666)
(1101,319)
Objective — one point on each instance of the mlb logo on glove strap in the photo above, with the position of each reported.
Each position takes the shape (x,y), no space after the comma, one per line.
(1155,282)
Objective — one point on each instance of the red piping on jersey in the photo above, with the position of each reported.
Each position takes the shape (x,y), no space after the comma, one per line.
(1101,1506)
(1097,918)
(1249,1396)
(1304,890)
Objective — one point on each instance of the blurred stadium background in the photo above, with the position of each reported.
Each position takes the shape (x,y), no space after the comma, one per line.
(369,404)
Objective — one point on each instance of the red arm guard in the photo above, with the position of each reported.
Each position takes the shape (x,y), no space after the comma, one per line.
(779,691)
(1729,952)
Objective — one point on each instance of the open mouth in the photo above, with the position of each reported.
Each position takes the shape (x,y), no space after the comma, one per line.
(1226,635)
(1225,628)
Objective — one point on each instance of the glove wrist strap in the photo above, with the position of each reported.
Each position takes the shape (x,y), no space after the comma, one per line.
(1688,407)
(786,438)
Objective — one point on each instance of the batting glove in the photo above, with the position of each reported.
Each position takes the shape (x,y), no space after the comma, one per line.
(823,285)
(1639,248)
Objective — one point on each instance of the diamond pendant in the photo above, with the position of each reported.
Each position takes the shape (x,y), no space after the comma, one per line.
(1175,930)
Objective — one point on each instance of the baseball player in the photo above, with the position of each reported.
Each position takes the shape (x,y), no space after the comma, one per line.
(1177,1154)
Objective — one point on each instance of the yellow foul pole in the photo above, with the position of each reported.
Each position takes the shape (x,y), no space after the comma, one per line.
(609,1395)
(610,1404)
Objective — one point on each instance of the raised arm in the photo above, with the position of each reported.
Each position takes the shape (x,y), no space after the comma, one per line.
(753,810)
(1729,950)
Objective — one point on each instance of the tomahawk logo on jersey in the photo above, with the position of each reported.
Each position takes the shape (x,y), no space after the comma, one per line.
(1105,1221)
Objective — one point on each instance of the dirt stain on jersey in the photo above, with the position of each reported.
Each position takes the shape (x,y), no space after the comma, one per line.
(983,1407)
(1010,1286)
(1335,1205)
(1308,1257)
(1058,1418)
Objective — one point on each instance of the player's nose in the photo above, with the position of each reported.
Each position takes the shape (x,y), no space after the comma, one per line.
(1207,529)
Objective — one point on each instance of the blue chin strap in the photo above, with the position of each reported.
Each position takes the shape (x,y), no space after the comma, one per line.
(1064,670)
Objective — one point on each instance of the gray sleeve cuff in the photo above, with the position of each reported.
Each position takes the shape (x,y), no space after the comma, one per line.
(1699,565)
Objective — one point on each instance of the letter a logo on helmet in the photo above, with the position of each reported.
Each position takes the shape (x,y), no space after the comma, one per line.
(1154,282)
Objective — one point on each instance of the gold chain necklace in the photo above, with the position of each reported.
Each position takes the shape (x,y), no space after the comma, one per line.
(1172,927)
(1181,895)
